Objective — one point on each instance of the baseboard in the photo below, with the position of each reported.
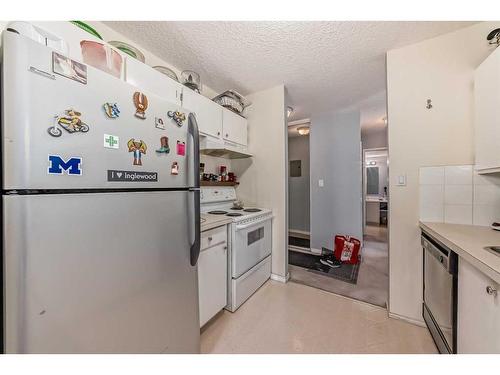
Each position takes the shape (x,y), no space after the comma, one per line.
(416,322)
(298,249)
(300,232)
(316,251)
(280,278)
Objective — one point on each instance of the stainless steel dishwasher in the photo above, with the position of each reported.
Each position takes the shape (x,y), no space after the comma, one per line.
(440,293)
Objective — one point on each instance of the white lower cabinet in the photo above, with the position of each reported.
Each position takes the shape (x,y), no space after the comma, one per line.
(478,329)
(212,273)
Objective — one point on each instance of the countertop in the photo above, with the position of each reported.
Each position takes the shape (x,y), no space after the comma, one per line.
(213,221)
(468,241)
(375,199)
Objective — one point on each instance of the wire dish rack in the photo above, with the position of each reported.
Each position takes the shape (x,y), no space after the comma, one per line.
(232,100)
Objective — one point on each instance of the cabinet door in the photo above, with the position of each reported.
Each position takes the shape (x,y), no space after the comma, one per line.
(212,275)
(208,113)
(478,312)
(150,80)
(486,118)
(234,127)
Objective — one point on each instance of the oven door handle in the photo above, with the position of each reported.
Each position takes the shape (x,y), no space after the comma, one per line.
(253,223)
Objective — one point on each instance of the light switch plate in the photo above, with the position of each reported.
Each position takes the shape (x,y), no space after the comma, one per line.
(401,180)
(321,183)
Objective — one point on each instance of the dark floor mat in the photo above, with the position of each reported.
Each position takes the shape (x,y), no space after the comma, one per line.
(346,272)
(300,242)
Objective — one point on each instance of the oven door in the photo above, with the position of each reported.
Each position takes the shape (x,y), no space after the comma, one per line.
(251,243)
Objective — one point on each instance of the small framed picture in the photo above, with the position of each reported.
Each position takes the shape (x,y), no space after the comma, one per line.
(68,68)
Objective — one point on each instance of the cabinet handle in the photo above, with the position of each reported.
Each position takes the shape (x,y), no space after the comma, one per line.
(210,238)
(218,133)
(227,135)
(491,291)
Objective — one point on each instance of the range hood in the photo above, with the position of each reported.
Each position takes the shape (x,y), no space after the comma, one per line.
(222,149)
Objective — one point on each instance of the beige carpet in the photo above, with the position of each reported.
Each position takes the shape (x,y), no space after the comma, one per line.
(373,279)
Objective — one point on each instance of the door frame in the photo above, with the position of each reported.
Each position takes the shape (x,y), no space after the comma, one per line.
(363,180)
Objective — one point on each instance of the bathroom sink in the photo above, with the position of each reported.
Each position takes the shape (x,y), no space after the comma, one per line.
(493,249)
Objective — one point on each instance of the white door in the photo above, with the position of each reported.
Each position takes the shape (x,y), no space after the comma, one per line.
(208,113)
(212,274)
(151,80)
(234,127)
(478,311)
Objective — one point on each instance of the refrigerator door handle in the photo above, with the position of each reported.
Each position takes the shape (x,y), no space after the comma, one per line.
(195,190)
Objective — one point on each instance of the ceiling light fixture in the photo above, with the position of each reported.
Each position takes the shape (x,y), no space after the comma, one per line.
(303,130)
(289,111)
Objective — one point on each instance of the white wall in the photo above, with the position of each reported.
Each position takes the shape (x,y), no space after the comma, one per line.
(264,176)
(335,149)
(298,187)
(440,69)
(374,138)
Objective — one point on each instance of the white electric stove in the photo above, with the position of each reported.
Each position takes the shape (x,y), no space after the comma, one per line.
(250,242)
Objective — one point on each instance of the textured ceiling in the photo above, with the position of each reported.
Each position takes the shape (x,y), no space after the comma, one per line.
(324,65)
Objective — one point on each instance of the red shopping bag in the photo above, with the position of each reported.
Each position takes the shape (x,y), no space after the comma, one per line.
(346,249)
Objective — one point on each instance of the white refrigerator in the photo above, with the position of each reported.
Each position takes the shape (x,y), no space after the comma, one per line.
(100,211)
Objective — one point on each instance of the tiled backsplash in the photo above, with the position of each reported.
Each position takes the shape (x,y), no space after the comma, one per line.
(458,195)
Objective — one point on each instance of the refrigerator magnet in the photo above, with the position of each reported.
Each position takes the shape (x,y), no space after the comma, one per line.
(175,168)
(177,116)
(141,104)
(181,148)
(111,141)
(111,110)
(164,149)
(60,166)
(70,122)
(138,148)
(159,123)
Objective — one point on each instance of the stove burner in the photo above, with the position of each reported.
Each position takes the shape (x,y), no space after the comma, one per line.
(252,210)
(234,214)
(236,208)
(217,212)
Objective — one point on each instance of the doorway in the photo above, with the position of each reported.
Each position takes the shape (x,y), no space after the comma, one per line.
(298,186)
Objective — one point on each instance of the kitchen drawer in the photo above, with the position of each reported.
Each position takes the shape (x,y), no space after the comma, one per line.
(214,237)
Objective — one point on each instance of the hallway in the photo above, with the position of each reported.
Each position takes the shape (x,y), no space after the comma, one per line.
(373,279)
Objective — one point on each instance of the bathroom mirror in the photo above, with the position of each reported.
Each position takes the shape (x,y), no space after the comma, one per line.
(372,181)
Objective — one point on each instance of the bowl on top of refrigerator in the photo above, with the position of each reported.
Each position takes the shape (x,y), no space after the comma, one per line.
(102,57)
(168,72)
(86,27)
(129,50)
(191,79)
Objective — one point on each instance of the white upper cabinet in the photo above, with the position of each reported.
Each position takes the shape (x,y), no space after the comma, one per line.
(151,80)
(486,117)
(478,329)
(234,127)
(208,113)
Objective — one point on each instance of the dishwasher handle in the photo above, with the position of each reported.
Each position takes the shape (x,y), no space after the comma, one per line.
(443,255)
